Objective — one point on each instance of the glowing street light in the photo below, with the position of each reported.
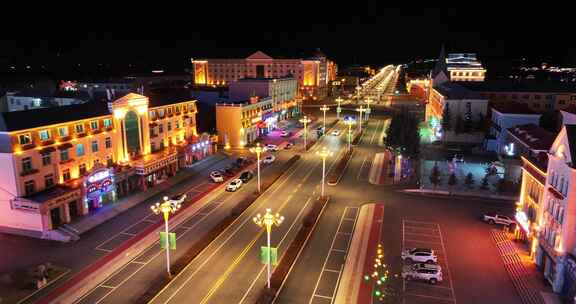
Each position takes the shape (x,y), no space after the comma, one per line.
(305,120)
(165,208)
(324,108)
(349,121)
(324,153)
(358,88)
(368,101)
(258,150)
(268,220)
(338,109)
(360,110)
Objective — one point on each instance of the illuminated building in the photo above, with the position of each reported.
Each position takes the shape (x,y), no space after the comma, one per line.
(504,116)
(464,67)
(61,163)
(240,123)
(313,74)
(540,96)
(547,210)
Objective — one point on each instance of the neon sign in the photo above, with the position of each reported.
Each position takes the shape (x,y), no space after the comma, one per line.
(522,219)
(98,176)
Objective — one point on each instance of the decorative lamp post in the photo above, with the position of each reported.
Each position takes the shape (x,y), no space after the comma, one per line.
(368,101)
(305,120)
(360,110)
(268,220)
(324,153)
(358,88)
(165,208)
(324,108)
(338,109)
(349,121)
(258,150)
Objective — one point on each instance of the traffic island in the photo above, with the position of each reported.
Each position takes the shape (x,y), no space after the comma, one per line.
(357,138)
(337,172)
(162,281)
(288,259)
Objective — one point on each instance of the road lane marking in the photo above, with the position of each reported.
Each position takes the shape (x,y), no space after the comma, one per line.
(432,297)
(261,202)
(361,167)
(422,241)
(279,244)
(106,286)
(332,270)
(375,132)
(339,250)
(323,297)
(330,252)
(447,267)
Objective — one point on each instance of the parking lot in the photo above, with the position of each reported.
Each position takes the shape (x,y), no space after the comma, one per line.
(418,234)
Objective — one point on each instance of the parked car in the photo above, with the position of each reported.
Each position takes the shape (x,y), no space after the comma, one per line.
(288,146)
(234,185)
(216,177)
(430,273)
(246,176)
(240,161)
(498,219)
(421,255)
(336,132)
(271,147)
(269,159)
(285,133)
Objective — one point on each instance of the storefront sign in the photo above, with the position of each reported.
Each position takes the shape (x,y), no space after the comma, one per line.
(522,219)
(97,176)
(256,119)
(98,183)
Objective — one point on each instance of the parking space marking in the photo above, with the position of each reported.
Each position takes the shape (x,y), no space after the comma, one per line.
(129,234)
(332,249)
(430,234)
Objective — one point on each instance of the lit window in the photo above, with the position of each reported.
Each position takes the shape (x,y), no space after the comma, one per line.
(63,131)
(79,128)
(44,135)
(94,125)
(107,123)
(161,112)
(95,146)
(25,139)
(79,150)
(64,155)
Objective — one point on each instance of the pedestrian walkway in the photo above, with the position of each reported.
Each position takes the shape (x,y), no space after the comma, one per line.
(88,222)
(522,277)
(379,169)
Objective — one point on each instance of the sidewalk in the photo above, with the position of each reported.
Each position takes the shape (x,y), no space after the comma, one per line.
(124,204)
(21,252)
(529,282)
(459,194)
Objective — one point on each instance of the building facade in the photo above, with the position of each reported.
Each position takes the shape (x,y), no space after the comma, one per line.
(503,117)
(279,89)
(555,241)
(312,74)
(23,101)
(241,123)
(464,67)
(62,163)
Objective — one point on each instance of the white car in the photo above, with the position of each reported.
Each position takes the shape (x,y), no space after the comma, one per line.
(498,219)
(271,147)
(336,132)
(234,185)
(430,273)
(216,177)
(268,159)
(420,255)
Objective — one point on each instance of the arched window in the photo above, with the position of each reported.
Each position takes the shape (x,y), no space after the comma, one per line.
(132,132)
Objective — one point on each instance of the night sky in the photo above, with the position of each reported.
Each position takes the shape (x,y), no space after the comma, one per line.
(349,32)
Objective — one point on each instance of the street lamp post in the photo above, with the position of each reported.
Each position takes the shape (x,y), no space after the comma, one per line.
(338,109)
(324,153)
(165,208)
(349,121)
(360,110)
(258,150)
(305,120)
(324,108)
(358,88)
(368,101)
(268,220)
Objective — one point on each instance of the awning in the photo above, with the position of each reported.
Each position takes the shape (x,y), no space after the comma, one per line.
(555,193)
(65,146)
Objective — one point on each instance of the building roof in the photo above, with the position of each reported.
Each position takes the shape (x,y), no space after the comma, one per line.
(259,55)
(513,108)
(452,90)
(533,136)
(22,120)
(264,79)
(50,193)
(521,86)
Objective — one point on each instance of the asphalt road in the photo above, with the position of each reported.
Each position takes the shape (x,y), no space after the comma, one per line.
(229,270)
(473,271)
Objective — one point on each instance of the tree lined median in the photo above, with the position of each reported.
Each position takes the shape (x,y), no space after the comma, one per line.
(337,172)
